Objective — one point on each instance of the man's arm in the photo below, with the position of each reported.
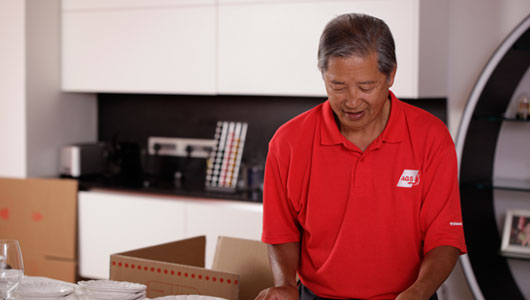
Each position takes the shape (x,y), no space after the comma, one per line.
(284,259)
(434,270)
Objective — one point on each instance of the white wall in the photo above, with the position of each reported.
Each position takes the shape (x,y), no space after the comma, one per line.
(476,29)
(12,89)
(36,118)
(53,118)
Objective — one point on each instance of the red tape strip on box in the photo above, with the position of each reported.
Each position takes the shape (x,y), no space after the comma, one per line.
(173,273)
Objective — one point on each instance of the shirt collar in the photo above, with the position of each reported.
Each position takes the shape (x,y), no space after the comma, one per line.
(393,132)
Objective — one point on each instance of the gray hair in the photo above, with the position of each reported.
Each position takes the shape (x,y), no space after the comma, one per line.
(357,34)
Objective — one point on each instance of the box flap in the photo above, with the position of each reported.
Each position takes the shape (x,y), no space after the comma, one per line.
(189,252)
(249,258)
(165,278)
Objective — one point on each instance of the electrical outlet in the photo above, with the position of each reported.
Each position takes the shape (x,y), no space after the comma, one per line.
(198,148)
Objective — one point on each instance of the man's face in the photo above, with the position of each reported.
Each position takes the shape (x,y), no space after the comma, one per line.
(358,92)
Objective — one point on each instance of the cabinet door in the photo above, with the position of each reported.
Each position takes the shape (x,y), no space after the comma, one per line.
(121,4)
(220,217)
(270,47)
(116,222)
(139,46)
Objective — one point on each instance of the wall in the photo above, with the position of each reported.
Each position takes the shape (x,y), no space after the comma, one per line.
(477,27)
(53,118)
(36,118)
(12,93)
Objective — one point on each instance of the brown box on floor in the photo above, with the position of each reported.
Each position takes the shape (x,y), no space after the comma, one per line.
(41,215)
(240,268)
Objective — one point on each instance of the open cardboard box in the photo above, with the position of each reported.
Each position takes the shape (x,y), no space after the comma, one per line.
(240,269)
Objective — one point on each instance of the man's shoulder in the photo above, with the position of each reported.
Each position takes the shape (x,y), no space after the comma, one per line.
(422,120)
(299,127)
(425,127)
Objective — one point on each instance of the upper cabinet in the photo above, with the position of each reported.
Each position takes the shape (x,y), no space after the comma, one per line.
(265,47)
(270,47)
(139,46)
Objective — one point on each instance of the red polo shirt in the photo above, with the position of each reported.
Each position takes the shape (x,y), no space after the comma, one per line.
(364,219)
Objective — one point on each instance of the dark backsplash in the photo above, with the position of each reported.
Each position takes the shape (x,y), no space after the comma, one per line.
(135,117)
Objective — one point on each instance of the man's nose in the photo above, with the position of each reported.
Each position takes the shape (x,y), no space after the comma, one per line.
(353,99)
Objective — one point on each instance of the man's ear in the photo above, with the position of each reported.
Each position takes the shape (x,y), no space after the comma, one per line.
(391,76)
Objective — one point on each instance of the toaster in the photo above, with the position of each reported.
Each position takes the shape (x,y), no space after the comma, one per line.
(82,159)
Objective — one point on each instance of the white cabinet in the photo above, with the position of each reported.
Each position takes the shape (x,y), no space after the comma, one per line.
(111,222)
(116,222)
(214,218)
(265,47)
(139,46)
(270,47)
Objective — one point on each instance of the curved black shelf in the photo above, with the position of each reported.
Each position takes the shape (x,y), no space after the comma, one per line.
(491,270)
(497,118)
(511,185)
(515,120)
(514,256)
(507,185)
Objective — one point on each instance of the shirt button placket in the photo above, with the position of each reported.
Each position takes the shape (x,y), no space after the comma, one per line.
(355,176)
(360,170)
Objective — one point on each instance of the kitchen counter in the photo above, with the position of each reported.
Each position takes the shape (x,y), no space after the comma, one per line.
(193,190)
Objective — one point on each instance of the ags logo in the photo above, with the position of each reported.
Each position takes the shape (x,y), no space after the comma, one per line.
(409,178)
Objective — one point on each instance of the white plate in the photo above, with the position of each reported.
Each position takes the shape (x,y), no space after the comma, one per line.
(83,296)
(112,285)
(108,294)
(188,297)
(44,289)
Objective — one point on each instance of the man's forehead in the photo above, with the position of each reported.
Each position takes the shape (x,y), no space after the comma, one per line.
(362,82)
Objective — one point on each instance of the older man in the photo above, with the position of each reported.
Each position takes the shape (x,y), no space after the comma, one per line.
(361,195)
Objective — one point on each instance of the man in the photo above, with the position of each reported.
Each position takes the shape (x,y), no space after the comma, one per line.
(361,195)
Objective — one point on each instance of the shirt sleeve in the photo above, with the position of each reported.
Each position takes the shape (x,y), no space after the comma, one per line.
(279,216)
(441,216)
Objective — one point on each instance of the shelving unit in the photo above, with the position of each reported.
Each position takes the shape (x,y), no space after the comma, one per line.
(511,184)
(494,170)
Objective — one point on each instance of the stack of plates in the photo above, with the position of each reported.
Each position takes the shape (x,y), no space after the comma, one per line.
(110,290)
(44,290)
(188,297)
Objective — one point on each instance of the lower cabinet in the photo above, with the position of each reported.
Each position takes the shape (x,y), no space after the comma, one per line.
(111,222)
(220,217)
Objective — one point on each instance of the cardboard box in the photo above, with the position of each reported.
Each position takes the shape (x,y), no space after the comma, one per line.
(249,259)
(240,269)
(42,215)
(51,267)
